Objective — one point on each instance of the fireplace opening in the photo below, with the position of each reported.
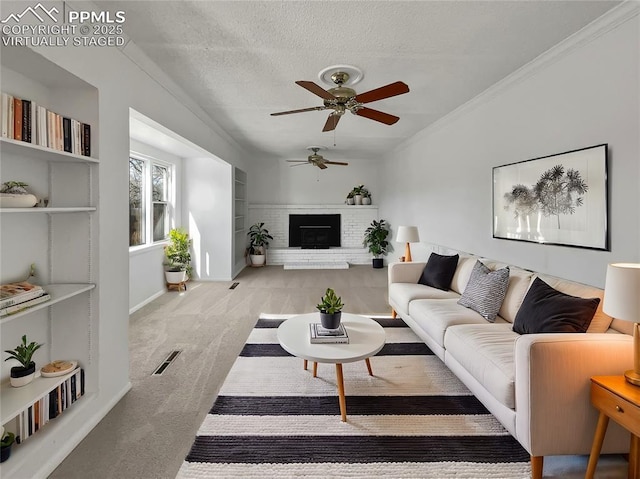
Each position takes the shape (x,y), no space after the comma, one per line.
(314,231)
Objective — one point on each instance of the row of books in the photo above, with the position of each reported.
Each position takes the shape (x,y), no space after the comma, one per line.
(24,120)
(50,406)
(318,334)
(15,297)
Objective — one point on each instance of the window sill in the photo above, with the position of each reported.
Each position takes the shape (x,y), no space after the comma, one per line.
(145,248)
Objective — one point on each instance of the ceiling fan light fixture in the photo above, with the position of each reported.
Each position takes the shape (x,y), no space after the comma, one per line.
(353,75)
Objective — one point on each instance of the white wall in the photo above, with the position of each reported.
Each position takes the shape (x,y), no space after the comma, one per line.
(575,97)
(276,182)
(123,85)
(146,273)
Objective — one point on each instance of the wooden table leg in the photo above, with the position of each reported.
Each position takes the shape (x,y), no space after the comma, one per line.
(305,364)
(342,399)
(315,369)
(394,315)
(369,366)
(596,447)
(634,460)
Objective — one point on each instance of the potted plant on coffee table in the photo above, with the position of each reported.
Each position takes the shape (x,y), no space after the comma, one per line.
(23,353)
(375,238)
(330,308)
(177,257)
(258,242)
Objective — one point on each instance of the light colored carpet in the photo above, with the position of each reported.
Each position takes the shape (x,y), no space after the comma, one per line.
(147,435)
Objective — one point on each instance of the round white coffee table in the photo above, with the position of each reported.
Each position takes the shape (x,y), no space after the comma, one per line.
(366,338)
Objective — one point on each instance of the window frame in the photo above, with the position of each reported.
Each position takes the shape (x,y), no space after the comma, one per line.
(148,201)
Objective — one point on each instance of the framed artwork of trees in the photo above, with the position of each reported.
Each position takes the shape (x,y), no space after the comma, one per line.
(559,199)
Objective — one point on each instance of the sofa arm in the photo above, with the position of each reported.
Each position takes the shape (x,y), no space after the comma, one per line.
(405,272)
(554,415)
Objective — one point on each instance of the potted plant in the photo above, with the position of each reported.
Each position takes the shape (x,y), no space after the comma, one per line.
(7,439)
(14,194)
(366,197)
(23,353)
(375,238)
(258,241)
(357,194)
(178,259)
(350,199)
(330,308)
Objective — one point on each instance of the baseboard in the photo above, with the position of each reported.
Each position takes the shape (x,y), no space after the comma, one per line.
(146,301)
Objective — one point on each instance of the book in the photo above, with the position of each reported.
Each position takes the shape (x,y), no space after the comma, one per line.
(86,139)
(66,134)
(26,121)
(17,119)
(16,308)
(318,334)
(14,293)
(7,115)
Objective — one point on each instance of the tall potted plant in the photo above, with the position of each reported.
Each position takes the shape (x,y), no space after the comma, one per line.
(375,238)
(177,257)
(258,241)
(23,353)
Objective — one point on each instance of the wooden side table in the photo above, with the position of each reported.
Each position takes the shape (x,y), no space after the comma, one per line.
(616,399)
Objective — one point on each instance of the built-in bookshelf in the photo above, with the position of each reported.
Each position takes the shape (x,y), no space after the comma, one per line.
(240,215)
(61,240)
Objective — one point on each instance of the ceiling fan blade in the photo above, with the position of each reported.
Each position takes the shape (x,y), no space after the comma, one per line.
(387,91)
(322,166)
(316,89)
(298,161)
(315,108)
(377,115)
(332,122)
(336,163)
(299,164)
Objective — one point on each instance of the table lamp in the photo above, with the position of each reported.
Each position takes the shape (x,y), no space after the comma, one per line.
(622,301)
(407,234)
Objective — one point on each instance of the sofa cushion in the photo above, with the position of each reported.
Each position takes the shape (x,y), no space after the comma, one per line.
(519,282)
(435,316)
(547,310)
(485,291)
(601,321)
(487,353)
(404,293)
(463,272)
(439,271)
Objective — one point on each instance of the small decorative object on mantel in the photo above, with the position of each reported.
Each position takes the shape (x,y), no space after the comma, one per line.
(14,194)
(5,444)
(350,200)
(23,353)
(330,308)
(359,195)
(366,197)
(375,238)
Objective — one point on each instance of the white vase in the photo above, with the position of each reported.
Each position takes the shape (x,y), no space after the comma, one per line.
(366,200)
(357,199)
(258,259)
(175,277)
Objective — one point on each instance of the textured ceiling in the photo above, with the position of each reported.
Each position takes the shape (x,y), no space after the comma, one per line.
(239,59)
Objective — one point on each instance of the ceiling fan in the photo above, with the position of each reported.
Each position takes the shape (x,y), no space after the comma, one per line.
(317,160)
(342,98)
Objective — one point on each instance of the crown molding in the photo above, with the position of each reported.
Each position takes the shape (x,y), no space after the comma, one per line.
(610,20)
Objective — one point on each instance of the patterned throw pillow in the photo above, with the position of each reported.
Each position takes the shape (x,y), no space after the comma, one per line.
(485,291)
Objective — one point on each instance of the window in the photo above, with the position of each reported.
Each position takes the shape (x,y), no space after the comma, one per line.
(149,201)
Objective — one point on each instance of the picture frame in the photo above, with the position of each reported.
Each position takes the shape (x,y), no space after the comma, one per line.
(560,199)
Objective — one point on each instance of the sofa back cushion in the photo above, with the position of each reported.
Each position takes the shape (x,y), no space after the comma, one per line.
(601,321)
(463,273)
(547,310)
(439,271)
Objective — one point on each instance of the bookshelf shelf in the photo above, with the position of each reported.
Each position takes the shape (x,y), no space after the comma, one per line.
(8,145)
(58,292)
(50,210)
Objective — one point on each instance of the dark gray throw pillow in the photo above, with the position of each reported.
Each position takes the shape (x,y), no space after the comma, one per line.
(547,310)
(439,271)
(485,291)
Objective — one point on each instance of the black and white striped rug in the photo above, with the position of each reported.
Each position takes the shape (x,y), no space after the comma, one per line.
(412,419)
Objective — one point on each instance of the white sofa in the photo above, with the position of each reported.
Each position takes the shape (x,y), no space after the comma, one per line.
(536,385)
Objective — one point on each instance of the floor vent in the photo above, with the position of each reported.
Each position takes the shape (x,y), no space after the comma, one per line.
(166,363)
(234,285)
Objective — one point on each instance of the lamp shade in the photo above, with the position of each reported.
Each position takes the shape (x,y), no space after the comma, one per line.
(407,234)
(622,291)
